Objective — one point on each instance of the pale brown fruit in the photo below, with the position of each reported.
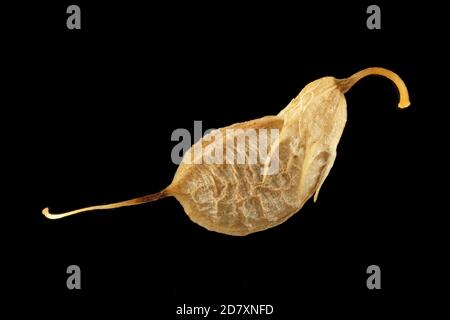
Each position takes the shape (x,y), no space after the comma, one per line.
(239,199)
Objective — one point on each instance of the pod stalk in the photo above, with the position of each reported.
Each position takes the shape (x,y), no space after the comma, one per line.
(132,202)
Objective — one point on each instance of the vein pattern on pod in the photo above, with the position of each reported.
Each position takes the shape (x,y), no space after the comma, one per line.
(236,199)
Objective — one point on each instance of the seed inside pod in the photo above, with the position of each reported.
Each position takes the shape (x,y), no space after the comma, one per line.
(246,197)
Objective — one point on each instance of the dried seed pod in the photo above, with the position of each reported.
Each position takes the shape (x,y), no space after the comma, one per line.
(244,197)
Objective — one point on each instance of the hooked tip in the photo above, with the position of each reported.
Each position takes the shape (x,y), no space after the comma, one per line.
(404,104)
(46,213)
(345,84)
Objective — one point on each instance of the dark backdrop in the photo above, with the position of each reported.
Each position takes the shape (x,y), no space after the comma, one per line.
(91,116)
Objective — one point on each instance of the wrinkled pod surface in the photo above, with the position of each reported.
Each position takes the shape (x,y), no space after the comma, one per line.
(242,198)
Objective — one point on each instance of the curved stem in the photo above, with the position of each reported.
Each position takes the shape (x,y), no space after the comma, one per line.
(346,84)
(132,202)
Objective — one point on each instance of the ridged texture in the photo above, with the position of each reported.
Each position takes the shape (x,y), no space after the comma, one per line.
(237,199)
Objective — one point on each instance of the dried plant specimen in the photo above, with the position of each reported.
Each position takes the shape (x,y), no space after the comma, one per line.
(239,199)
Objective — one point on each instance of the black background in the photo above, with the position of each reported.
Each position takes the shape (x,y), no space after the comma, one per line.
(90,119)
